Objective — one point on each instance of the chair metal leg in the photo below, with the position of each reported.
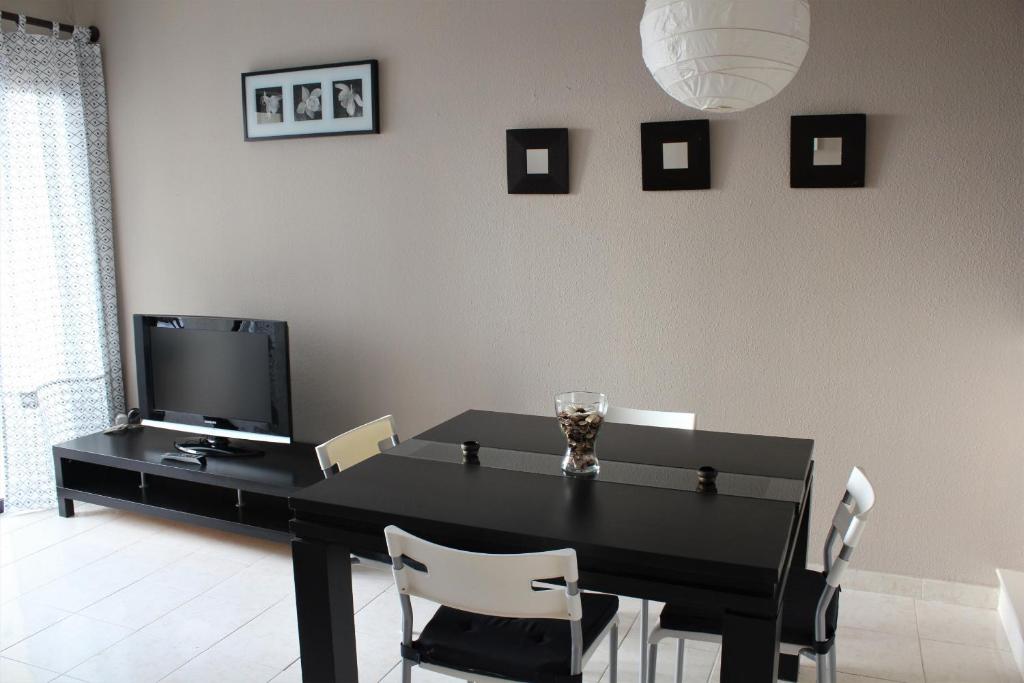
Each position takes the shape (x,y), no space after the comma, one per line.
(821,669)
(825,664)
(652,660)
(644,635)
(406,670)
(613,653)
(680,651)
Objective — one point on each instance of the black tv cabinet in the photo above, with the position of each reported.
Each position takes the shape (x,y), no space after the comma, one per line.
(243,494)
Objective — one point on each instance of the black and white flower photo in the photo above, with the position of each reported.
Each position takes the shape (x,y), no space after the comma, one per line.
(349,99)
(268,105)
(307,102)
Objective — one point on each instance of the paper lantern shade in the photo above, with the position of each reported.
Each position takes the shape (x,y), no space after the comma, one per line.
(724,55)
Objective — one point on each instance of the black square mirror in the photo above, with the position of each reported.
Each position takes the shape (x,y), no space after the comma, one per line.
(827,150)
(675,155)
(537,160)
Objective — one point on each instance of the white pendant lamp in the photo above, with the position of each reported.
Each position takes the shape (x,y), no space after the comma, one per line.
(724,55)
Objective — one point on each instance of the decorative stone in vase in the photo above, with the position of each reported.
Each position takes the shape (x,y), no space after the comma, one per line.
(580,415)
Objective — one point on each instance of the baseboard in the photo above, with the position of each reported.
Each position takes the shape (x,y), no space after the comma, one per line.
(950,592)
(1011,611)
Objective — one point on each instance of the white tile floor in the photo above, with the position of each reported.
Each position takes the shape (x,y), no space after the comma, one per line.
(108,597)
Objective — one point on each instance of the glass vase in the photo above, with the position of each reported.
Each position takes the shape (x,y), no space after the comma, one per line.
(580,415)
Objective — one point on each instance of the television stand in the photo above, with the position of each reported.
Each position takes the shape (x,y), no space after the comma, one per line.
(126,470)
(214,446)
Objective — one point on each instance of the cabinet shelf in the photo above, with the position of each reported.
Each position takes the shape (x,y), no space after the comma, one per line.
(203,496)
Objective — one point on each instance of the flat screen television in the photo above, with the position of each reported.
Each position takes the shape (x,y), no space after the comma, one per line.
(221,378)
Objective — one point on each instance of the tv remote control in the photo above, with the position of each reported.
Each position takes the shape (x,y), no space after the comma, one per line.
(185,457)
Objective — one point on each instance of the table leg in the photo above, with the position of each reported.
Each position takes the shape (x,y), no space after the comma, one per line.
(750,648)
(65,507)
(323,602)
(789,668)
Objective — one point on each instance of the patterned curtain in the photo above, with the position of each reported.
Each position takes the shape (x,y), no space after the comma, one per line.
(60,363)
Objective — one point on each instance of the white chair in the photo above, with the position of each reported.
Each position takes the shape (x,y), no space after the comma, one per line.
(649,418)
(356,445)
(810,609)
(494,625)
(353,447)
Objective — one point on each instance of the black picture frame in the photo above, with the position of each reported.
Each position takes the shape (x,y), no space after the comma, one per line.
(327,119)
(696,133)
(849,172)
(556,142)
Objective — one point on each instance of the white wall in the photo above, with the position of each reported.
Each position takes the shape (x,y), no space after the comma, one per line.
(887,323)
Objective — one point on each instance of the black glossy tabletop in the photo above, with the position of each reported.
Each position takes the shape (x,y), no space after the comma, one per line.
(769,456)
(612,471)
(669,526)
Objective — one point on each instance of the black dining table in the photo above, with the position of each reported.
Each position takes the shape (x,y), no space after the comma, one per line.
(644,527)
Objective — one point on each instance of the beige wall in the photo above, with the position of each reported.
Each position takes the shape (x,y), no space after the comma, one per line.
(887,323)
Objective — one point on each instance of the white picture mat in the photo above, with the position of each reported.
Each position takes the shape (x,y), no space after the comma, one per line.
(328,101)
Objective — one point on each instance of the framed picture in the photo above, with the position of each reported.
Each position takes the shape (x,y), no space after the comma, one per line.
(537,160)
(676,155)
(330,99)
(827,150)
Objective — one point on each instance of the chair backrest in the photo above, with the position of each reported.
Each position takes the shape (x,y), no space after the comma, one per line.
(357,444)
(848,524)
(651,418)
(496,585)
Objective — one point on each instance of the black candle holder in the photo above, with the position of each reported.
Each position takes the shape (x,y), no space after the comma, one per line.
(706,477)
(470,450)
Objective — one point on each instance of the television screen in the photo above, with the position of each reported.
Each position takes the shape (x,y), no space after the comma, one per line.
(219,376)
(213,373)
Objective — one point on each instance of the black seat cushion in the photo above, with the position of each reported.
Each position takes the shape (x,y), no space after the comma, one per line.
(803,589)
(518,649)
